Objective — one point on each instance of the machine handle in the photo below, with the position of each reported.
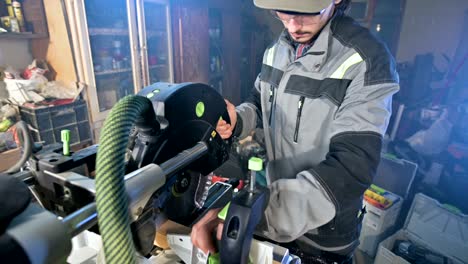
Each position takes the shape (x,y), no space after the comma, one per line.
(244,214)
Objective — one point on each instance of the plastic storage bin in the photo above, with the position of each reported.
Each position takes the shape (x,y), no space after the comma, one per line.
(431,225)
(395,175)
(47,122)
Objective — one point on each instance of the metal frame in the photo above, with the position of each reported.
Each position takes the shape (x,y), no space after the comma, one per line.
(133,31)
(80,36)
(76,38)
(143,39)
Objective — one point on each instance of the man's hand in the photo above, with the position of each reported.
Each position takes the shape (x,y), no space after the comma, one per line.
(224,129)
(202,231)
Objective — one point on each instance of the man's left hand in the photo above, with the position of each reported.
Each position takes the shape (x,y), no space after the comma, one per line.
(202,231)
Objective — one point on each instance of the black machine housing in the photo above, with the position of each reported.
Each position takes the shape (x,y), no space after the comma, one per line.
(184,114)
(183,118)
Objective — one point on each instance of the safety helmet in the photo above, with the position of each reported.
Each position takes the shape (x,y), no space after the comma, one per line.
(301,6)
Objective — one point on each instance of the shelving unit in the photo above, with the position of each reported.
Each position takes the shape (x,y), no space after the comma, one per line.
(22,35)
(157,41)
(113,73)
(36,28)
(101,73)
(159,66)
(119,48)
(108,32)
(152,34)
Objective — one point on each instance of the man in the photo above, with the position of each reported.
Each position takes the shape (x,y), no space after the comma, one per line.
(323,98)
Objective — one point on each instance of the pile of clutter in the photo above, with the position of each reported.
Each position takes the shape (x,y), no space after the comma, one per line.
(8,138)
(31,85)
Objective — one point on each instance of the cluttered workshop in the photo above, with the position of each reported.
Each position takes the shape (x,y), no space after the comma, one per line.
(234,132)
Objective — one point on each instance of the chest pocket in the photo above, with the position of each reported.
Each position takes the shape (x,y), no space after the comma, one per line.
(332,89)
(271,75)
(271,78)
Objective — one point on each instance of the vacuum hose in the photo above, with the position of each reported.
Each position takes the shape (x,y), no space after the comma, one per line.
(111,198)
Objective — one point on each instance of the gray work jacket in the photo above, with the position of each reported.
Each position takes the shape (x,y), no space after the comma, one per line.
(323,115)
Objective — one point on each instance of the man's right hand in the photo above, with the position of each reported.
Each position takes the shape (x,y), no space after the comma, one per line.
(223,128)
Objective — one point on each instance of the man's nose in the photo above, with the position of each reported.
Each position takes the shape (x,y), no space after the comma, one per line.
(293,25)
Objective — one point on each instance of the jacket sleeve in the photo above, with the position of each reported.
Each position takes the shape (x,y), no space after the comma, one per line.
(249,113)
(321,191)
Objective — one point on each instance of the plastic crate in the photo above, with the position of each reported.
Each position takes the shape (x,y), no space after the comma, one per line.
(51,117)
(47,122)
(38,119)
(84,131)
(433,226)
(47,136)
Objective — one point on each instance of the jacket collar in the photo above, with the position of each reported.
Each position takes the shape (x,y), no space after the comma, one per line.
(319,49)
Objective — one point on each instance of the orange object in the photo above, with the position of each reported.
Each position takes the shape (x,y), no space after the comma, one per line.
(377,199)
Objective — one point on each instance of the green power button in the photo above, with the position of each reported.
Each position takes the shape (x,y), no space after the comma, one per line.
(200,109)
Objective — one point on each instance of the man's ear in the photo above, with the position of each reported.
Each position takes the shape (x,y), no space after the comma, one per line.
(337,1)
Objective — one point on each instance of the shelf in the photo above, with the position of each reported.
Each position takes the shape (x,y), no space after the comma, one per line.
(159,66)
(23,35)
(153,33)
(108,32)
(101,73)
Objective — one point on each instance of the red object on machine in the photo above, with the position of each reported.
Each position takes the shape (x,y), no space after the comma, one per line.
(223,179)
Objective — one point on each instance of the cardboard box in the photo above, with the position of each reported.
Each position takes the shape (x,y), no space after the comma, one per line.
(9,158)
(396,176)
(377,225)
(430,225)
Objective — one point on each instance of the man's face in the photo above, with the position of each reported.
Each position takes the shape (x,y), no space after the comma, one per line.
(304,27)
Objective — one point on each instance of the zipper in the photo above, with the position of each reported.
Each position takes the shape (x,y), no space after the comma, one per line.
(272,93)
(271,99)
(300,105)
(333,224)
